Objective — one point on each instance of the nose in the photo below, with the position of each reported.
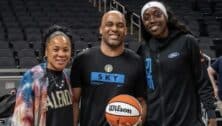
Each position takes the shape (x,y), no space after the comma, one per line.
(152,18)
(61,53)
(114,27)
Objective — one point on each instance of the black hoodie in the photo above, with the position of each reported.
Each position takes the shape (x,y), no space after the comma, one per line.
(176,83)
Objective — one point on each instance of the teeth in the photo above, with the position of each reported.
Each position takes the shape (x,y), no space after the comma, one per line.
(114,36)
(153,28)
(61,61)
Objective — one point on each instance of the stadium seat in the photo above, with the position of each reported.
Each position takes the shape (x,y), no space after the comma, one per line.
(4,45)
(6,53)
(19,45)
(2,33)
(15,33)
(202,27)
(217,46)
(27,62)
(26,53)
(7,62)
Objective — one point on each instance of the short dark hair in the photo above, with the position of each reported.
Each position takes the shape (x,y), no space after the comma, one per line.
(52,29)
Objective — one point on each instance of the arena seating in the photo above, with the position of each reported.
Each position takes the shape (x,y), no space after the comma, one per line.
(25,20)
(22,23)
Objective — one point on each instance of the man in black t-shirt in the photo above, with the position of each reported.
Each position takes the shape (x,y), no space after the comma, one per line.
(100,73)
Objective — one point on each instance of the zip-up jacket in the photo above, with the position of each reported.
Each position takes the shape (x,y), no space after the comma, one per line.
(176,81)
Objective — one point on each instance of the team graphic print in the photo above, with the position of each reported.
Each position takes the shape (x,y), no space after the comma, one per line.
(107,78)
(149,77)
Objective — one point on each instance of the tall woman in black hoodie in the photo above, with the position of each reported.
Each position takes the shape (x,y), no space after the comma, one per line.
(175,81)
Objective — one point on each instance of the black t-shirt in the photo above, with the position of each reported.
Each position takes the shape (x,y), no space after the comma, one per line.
(101,77)
(59,101)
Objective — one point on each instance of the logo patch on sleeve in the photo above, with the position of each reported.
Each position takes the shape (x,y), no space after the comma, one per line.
(173,55)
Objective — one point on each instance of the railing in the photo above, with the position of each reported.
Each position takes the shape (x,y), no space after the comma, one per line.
(208,58)
(93,2)
(115,5)
(134,18)
(10,78)
(12,70)
(8,81)
(135,21)
(101,4)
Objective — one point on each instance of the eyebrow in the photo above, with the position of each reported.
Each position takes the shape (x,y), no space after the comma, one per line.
(154,10)
(111,22)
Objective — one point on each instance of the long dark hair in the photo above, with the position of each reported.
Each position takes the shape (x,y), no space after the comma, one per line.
(173,24)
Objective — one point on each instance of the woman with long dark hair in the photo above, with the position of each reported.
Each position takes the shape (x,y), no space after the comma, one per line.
(176,83)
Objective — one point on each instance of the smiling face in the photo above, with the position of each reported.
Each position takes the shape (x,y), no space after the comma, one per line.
(155,22)
(58,52)
(113,29)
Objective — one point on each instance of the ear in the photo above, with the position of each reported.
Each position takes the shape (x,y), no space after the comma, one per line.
(100,30)
(46,52)
(126,31)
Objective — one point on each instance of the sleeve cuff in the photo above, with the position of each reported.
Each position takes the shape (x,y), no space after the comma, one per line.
(211,114)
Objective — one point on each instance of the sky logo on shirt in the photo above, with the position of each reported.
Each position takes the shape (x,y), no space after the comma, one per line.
(107,78)
(173,55)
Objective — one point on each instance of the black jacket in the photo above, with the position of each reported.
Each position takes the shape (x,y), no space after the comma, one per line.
(176,82)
